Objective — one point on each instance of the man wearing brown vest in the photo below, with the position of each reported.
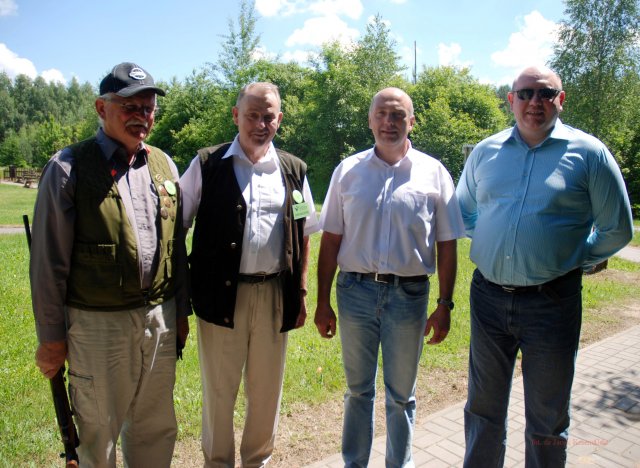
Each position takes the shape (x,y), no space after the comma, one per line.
(108,274)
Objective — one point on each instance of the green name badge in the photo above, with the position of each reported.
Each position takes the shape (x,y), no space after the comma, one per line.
(300,210)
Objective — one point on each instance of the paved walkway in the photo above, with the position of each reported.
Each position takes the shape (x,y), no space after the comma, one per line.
(630,253)
(605,426)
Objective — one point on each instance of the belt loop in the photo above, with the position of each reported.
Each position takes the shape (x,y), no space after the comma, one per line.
(396,281)
(358,277)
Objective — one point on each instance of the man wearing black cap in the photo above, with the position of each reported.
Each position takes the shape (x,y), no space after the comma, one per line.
(108,278)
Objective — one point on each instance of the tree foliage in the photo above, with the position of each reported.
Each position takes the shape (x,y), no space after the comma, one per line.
(597,51)
(453,109)
(38,118)
(598,58)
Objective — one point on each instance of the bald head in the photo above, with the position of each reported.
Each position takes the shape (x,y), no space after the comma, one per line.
(392,94)
(537,73)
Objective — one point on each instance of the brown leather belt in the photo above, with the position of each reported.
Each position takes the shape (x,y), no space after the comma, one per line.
(257,278)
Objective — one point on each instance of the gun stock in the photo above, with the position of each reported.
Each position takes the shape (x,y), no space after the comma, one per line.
(64,415)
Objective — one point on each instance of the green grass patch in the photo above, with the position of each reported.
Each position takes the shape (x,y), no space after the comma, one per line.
(636,234)
(15,201)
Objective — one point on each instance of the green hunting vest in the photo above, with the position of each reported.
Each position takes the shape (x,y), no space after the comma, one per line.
(104,274)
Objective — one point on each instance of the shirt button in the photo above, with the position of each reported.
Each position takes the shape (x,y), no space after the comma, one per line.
(226,320)
(227,283)
(239,208)
(233,245)
(508,257)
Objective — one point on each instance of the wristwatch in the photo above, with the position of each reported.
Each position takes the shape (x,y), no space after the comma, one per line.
(446,302)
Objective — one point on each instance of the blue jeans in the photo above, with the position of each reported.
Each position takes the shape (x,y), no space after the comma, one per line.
(391,316)
(545,327)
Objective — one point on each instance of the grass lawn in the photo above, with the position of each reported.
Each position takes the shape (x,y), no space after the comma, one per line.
(314,368)
(15,201)
(636,234)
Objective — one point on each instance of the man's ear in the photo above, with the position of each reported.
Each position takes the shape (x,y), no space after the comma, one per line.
(100,103)
(561,98)
(234,113)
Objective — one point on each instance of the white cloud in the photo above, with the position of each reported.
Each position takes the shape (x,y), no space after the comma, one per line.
(350,8)
(300,56)
(449,55)
(398,2)
(531,45)
(317,31)
(268,8)
(8,8)
(13,66)
(53,75)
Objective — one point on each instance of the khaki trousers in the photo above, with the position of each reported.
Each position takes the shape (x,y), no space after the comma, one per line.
(255,349)
(121,378)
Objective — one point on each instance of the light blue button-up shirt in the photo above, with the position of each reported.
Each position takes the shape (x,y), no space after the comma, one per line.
(537,213)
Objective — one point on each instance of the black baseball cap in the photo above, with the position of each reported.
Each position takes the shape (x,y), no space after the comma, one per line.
(127,79)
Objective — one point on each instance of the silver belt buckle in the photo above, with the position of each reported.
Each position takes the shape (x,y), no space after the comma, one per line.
(375,278)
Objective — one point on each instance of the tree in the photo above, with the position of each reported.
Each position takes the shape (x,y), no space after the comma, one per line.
(8,112)
(597,50)
(234,66)
(453,109)
(598,58)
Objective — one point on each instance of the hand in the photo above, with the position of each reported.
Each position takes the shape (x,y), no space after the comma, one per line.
(302,316)
(440,322)
(182,329)
(50,357)
(325,320)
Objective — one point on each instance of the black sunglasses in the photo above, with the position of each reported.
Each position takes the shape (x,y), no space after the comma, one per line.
(526,94)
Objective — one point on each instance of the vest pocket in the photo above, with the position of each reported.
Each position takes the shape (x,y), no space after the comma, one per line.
(95,274)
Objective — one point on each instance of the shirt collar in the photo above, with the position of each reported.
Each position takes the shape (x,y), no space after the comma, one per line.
(110,147)
(558,132)
(370,156)
(269,160)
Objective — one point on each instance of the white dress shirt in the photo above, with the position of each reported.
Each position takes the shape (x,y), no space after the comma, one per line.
(390,216)
(264,194)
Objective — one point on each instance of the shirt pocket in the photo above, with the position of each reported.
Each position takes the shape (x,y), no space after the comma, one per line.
(418,207)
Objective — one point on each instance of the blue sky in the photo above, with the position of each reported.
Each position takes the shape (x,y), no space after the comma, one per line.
(170,38)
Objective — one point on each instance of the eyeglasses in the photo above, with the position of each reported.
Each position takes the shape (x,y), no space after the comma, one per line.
(547,94)
(131,109)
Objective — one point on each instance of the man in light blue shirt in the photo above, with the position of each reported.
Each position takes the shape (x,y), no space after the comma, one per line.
(542,202)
